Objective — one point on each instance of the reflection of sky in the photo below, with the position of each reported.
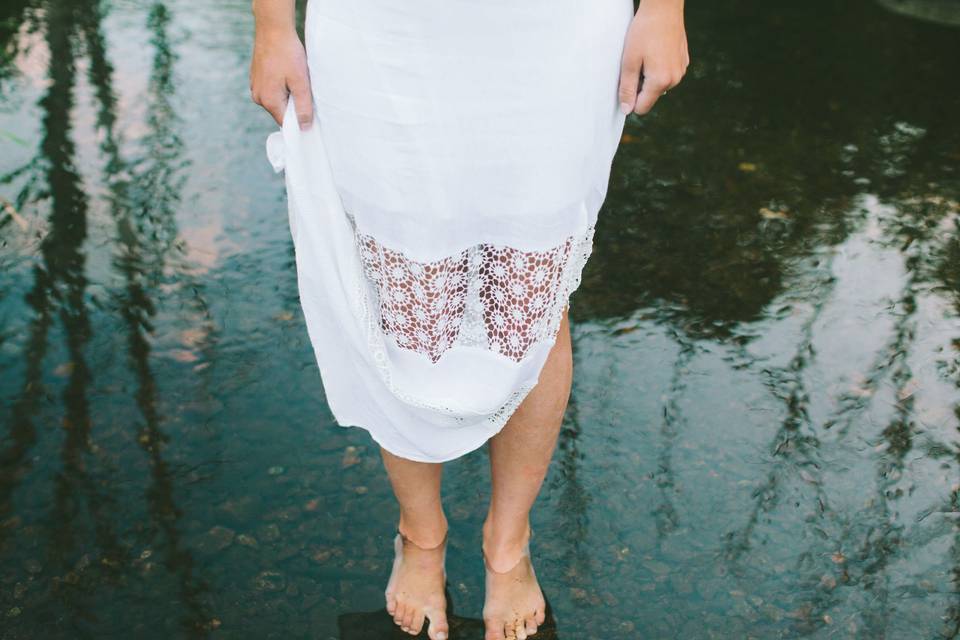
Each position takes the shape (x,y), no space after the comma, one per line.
(216,117)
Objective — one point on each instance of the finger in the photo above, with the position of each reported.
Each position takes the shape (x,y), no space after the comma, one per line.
(629,83)
(302,100)
(275,108)
(650,92)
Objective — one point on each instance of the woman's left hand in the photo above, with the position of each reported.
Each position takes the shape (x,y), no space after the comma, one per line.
(655,55)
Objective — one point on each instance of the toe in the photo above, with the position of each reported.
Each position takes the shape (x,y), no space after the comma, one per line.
(438,629)
(391,604)
(408,616)
(398,613)
(519,630)
(417,623)
(530,624)
(494,630)
(540,616)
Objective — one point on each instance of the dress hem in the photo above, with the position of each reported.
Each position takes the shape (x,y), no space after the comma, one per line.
(497,426)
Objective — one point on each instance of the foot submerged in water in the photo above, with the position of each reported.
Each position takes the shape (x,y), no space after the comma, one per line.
(514,605)
(415,590)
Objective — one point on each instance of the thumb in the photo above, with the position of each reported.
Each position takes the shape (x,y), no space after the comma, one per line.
(302,101)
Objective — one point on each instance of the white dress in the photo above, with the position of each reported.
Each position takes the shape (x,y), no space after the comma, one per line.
(442,205)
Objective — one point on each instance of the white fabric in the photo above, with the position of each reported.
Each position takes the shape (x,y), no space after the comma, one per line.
(443,203)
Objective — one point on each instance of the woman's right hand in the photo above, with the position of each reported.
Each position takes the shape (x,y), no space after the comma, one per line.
(277,70)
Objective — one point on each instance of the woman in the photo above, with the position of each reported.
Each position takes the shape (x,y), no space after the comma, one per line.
(445,161)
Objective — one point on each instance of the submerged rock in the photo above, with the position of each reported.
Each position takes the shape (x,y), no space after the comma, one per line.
(270,581)
(215,540)
(247,541)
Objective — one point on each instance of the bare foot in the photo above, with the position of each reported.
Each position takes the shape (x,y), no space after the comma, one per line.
(514,605)
(415,589)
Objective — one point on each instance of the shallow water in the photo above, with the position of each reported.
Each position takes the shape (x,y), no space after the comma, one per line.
(763,435)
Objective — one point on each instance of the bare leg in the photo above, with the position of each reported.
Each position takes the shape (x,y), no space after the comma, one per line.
(519,457)
(415,589)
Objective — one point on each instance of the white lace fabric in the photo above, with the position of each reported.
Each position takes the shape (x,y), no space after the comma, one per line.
(492,296)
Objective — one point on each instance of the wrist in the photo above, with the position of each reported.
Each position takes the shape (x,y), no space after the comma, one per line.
(662,5)
(271,18)
(271,31)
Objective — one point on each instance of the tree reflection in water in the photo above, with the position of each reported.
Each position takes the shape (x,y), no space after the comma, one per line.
(143,197)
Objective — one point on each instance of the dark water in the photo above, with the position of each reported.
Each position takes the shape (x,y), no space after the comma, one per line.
(763,436)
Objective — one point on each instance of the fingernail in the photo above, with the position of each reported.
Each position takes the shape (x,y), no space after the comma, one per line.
(626,107)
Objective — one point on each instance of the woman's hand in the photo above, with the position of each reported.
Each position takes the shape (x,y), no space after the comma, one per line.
(655,55)
(278,69)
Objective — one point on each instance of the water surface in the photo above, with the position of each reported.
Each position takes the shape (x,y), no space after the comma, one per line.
(762,439)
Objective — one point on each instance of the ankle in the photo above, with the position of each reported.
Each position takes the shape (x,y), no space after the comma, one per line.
(425,533)
(503,545)
(515,531)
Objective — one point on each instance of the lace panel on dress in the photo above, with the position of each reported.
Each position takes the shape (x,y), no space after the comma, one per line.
(496,297)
